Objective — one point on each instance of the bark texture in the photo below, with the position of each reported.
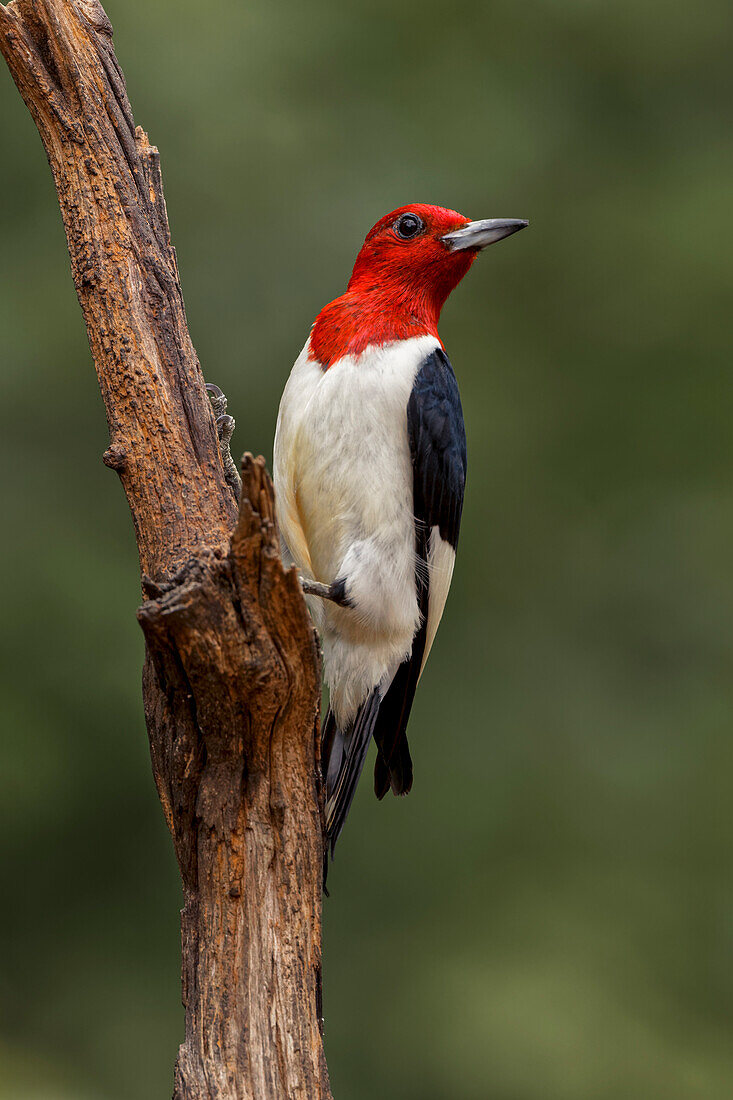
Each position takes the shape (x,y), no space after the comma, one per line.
(231,679)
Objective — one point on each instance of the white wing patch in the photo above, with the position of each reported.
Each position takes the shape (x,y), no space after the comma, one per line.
(441,559)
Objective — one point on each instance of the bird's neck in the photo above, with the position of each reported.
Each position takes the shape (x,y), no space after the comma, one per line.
(368,315)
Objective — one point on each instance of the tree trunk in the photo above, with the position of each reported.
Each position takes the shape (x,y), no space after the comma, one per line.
(231,681)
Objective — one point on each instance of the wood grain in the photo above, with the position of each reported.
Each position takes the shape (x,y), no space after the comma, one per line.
(231,683)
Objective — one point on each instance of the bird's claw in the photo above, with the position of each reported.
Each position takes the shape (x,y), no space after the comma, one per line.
(217,397)
(225,425)
(336,592)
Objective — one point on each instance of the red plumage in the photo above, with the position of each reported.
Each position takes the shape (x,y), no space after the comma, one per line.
(397,288)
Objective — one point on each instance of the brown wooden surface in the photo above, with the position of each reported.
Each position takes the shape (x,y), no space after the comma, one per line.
(231,680)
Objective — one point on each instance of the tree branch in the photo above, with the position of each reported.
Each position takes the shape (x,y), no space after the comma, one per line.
(231,679)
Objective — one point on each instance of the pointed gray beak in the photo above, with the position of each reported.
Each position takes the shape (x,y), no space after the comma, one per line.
(479,234)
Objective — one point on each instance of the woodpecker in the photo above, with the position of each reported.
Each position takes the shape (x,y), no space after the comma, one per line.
(370,470)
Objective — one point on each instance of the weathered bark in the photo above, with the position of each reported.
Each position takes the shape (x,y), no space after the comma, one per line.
(231,680)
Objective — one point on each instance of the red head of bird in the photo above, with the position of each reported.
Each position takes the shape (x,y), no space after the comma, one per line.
(409,263)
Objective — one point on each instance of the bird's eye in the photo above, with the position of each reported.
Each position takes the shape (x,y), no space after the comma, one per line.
(409,225)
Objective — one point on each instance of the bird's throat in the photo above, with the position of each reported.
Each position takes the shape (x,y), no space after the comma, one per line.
(357,320)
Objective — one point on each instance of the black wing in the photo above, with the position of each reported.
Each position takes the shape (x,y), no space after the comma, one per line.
(438,450)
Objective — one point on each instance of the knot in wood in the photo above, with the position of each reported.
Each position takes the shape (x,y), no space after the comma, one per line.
(115,457)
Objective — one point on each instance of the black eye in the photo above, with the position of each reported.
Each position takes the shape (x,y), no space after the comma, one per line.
(409,225)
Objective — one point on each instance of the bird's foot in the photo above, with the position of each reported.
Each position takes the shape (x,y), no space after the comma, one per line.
(336,592)
(225,426)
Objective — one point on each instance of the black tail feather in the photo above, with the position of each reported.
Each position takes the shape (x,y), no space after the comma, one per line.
(381,776)
(332,750)
(396,774)
(394,764)
(347,750)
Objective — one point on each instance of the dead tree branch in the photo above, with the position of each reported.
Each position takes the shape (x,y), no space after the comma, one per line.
(231,679)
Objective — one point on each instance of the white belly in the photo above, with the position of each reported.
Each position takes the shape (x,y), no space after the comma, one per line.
(343,479)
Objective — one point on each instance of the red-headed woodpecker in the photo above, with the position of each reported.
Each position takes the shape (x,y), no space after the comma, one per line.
(370,468)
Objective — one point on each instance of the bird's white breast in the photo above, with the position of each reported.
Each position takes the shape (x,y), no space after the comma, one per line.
(343,478)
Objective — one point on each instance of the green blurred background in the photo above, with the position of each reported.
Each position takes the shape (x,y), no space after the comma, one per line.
(549,916)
